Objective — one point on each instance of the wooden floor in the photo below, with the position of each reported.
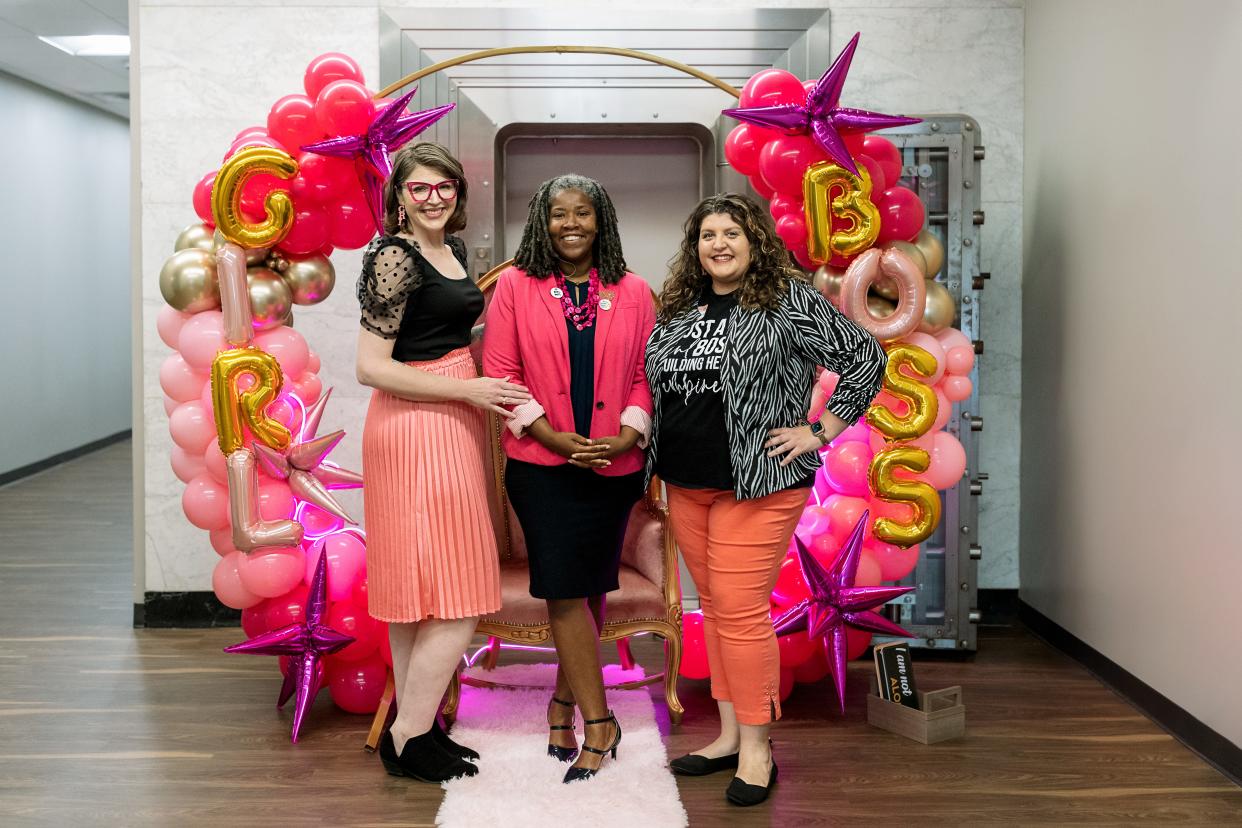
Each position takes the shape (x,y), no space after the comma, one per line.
(101,724)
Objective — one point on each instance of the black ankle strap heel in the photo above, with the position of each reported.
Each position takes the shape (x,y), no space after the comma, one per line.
(575,774)
(562,754)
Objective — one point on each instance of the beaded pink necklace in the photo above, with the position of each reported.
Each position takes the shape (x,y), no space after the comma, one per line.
(582,316)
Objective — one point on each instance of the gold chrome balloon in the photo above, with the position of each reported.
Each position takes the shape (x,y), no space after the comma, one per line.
(918,396)
(827,280)
(940,310)
(930,246)
(235,409)
(911,250)
(310,280)
(831,191)
(880,307)
(254,256)
(270,299)
(920,495)
(196,235)
(226,195)
(188,281)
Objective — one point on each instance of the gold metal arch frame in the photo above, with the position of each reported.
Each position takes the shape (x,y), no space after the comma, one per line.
(633,54)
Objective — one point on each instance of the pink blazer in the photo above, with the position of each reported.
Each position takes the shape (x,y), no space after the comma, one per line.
(525,338)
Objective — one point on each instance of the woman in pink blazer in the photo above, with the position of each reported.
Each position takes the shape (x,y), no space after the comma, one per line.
(570,323)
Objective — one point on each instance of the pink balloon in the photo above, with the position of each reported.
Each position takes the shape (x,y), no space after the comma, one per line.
(901,214)
(308,387)
(784,160)
(959,361)
(191,427)
(948,462)
(886,155)
(214,463)
(344,107)
(292,122)
(345,617)
(792,230)
(276,501)
(222,541)
(329,67)
(825,548)
(168,322)
(322,178)
(932,345)
(895,563)
(846,467)
(356,686)
(179,380)
(693,648)
(250,131)
(271,572)
(956,388)
(350,224)
(226,582)
(185,465)
(742,148)
(952,338)
(309,231)
(283,411)
(289,348)
(202,198)
(286,609)
(312,363)
(346,563)
(201,338)
(206,503)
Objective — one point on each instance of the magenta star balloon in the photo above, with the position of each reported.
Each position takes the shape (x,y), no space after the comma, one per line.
(821,116)
(369,151)
(835,603)
(305,643)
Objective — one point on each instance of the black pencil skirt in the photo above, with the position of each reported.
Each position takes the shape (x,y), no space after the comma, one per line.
(574,523)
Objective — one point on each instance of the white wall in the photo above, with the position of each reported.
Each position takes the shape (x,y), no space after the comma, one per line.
(1131,387)
(208,69)
(64,274)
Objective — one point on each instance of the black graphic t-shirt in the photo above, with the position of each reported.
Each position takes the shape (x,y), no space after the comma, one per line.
(694,442)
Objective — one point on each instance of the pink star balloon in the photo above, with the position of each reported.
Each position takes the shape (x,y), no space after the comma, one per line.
(369,151)
(836,603)
(304,464)
(821,116)
(305,643)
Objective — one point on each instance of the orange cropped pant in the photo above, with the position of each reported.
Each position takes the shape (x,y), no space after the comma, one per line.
(733,550)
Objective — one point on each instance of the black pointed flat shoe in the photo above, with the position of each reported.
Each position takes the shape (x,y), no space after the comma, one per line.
(694,765)
(422,758)
(744,794)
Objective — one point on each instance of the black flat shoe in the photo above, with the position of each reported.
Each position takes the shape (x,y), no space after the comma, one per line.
(575,774)
(423,759)
(443,740)
(745,794)
(561,754)
(694,765)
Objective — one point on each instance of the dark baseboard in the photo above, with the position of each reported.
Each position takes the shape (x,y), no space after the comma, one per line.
(63,457)
(1214,748)
(998,607)
(184,609)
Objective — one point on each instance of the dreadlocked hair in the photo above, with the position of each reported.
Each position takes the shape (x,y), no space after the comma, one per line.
(765,282)
(536,255)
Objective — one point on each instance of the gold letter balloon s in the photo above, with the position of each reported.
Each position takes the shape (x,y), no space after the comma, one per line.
(236,409)
(226,195)
(920,495)
(918,396)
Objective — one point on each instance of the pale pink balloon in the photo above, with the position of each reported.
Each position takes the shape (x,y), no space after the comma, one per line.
(206,503)
(308,388)
(179,381)
(948,462)
(932,345)
(226,581)
(869,573)
(186,466)
(222,541)
(205,398)
(289,348)
(813,521)
(201,338)
(828,382)
(843,513)
(168,322)
(213,461)
(944,410)
(191,427)
(960,360)
(272,572)
(282,411)
(954,338)
(847,465)
(346,563)
(312,361)
(276,501)
(957,388)
(895,562)
(170,405)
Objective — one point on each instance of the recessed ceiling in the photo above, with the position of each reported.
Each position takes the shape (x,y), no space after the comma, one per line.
(100,81)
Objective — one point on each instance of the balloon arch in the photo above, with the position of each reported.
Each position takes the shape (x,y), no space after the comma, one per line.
(244,399)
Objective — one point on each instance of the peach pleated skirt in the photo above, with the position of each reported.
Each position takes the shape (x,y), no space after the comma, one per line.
(431,545)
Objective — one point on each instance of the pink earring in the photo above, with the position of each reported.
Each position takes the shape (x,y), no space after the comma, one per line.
(401,215)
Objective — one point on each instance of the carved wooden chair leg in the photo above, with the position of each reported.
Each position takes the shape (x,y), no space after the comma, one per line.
(493,653)
(623,653)
(381,714)
(672,663)
(453,697)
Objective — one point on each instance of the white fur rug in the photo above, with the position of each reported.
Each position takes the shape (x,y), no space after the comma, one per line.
(519,785)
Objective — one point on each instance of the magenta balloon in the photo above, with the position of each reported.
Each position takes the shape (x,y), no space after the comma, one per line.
(792,230)
(202,198)
(742,148)
(693,648)
(901,214)
(356,686)
(329,67)
(885,153)
(783,162)
(344,107)
(350,224)
(846,467)
(346,559)
(292,122)
(879,182)
(347,618)
(771,87)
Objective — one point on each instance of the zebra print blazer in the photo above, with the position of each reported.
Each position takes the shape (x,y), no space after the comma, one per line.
(767,373)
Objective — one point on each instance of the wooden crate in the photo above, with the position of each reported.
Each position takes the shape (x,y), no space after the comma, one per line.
(942,715)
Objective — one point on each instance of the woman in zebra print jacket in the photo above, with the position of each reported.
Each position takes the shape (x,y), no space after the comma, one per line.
(731,364)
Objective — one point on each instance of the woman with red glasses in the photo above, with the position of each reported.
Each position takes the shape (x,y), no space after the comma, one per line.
(432,565)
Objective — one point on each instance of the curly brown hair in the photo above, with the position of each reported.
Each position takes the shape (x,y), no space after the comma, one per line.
(767,279)
(436,157)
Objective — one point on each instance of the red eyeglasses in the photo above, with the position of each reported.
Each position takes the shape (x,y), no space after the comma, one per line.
(421,191)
